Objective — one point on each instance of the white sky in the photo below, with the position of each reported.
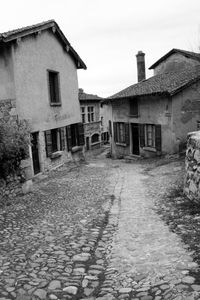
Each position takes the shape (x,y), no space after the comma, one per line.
(107,34)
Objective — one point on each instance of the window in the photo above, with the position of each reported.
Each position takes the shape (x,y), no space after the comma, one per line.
(95,138)
(134,107)
(55,140)
(150,136)
(90,114)
(54,93)
(121,132)
(75,135)
(83,114)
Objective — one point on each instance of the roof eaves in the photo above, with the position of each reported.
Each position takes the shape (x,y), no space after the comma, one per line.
(190,82)
(15,34)
(164,93)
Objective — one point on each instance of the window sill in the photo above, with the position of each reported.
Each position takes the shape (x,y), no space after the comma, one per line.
(76,149)
(55,104)
(56,154)
(150,149)
(121,144)
(133,116)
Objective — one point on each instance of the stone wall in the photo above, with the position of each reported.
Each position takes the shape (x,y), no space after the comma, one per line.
(9,189)
(13,185)
(192,165)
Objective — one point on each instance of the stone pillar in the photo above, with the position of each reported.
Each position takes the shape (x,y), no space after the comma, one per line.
(192,166)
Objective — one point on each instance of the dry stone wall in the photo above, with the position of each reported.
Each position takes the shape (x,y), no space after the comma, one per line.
(192,165)
(13,185)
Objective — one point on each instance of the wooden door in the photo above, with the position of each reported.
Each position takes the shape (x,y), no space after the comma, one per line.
(135,139)
(35,153)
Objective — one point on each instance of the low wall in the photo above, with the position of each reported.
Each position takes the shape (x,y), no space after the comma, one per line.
(192,165)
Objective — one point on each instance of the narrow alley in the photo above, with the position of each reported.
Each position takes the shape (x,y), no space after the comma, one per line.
(91,231)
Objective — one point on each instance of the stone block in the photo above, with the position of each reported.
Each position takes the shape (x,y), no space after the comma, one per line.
(27,186)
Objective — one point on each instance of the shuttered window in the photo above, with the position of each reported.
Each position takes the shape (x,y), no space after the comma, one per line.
(54,140)
(121,132)
(150,136)
(75,135)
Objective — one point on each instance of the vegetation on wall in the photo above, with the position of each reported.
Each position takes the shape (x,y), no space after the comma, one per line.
(14,142)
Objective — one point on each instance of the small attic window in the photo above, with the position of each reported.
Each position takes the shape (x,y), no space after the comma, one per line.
(133,107)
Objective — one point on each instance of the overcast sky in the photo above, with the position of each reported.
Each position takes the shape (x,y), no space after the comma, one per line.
(107,34)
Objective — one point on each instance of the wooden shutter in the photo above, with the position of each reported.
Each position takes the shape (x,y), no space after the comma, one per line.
(62,138)
(81,136)
(48,143)
(115,131)
(69,137)
(110,128)
(142,135)
(158,140)
(127,137)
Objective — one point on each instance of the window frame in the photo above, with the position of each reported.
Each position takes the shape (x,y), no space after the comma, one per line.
(90,113)
(120,133)
(150,137)
(83,114)
(54,87)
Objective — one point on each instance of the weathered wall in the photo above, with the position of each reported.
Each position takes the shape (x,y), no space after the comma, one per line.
(186,113)
(152,110)
(33,56)
(175,62)
(192,166)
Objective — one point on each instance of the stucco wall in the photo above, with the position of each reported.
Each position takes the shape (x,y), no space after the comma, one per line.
(186,112)
(7,87)
(152,110)
(174,62)
(33,56)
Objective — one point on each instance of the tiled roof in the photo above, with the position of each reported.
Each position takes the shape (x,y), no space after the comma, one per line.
(166,83)
(12,35)
(189,54)
(84,96)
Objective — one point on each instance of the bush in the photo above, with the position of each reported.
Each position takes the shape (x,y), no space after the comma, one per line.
(14,142)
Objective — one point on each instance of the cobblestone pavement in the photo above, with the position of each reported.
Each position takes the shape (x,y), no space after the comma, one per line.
(91,232)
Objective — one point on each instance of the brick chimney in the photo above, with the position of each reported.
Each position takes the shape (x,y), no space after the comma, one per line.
(141,66)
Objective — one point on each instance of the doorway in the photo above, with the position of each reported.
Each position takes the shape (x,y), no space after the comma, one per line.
(135,138)
(35,153)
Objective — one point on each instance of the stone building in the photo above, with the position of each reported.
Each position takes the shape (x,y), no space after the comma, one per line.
(38,82)
(153,116)
(94,119)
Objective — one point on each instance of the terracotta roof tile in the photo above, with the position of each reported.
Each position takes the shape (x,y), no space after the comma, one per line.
(166,83)
(84,96)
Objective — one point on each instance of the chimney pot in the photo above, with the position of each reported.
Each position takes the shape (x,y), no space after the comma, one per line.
(141,65)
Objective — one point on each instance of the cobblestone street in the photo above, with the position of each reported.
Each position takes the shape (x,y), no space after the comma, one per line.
(91,231)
